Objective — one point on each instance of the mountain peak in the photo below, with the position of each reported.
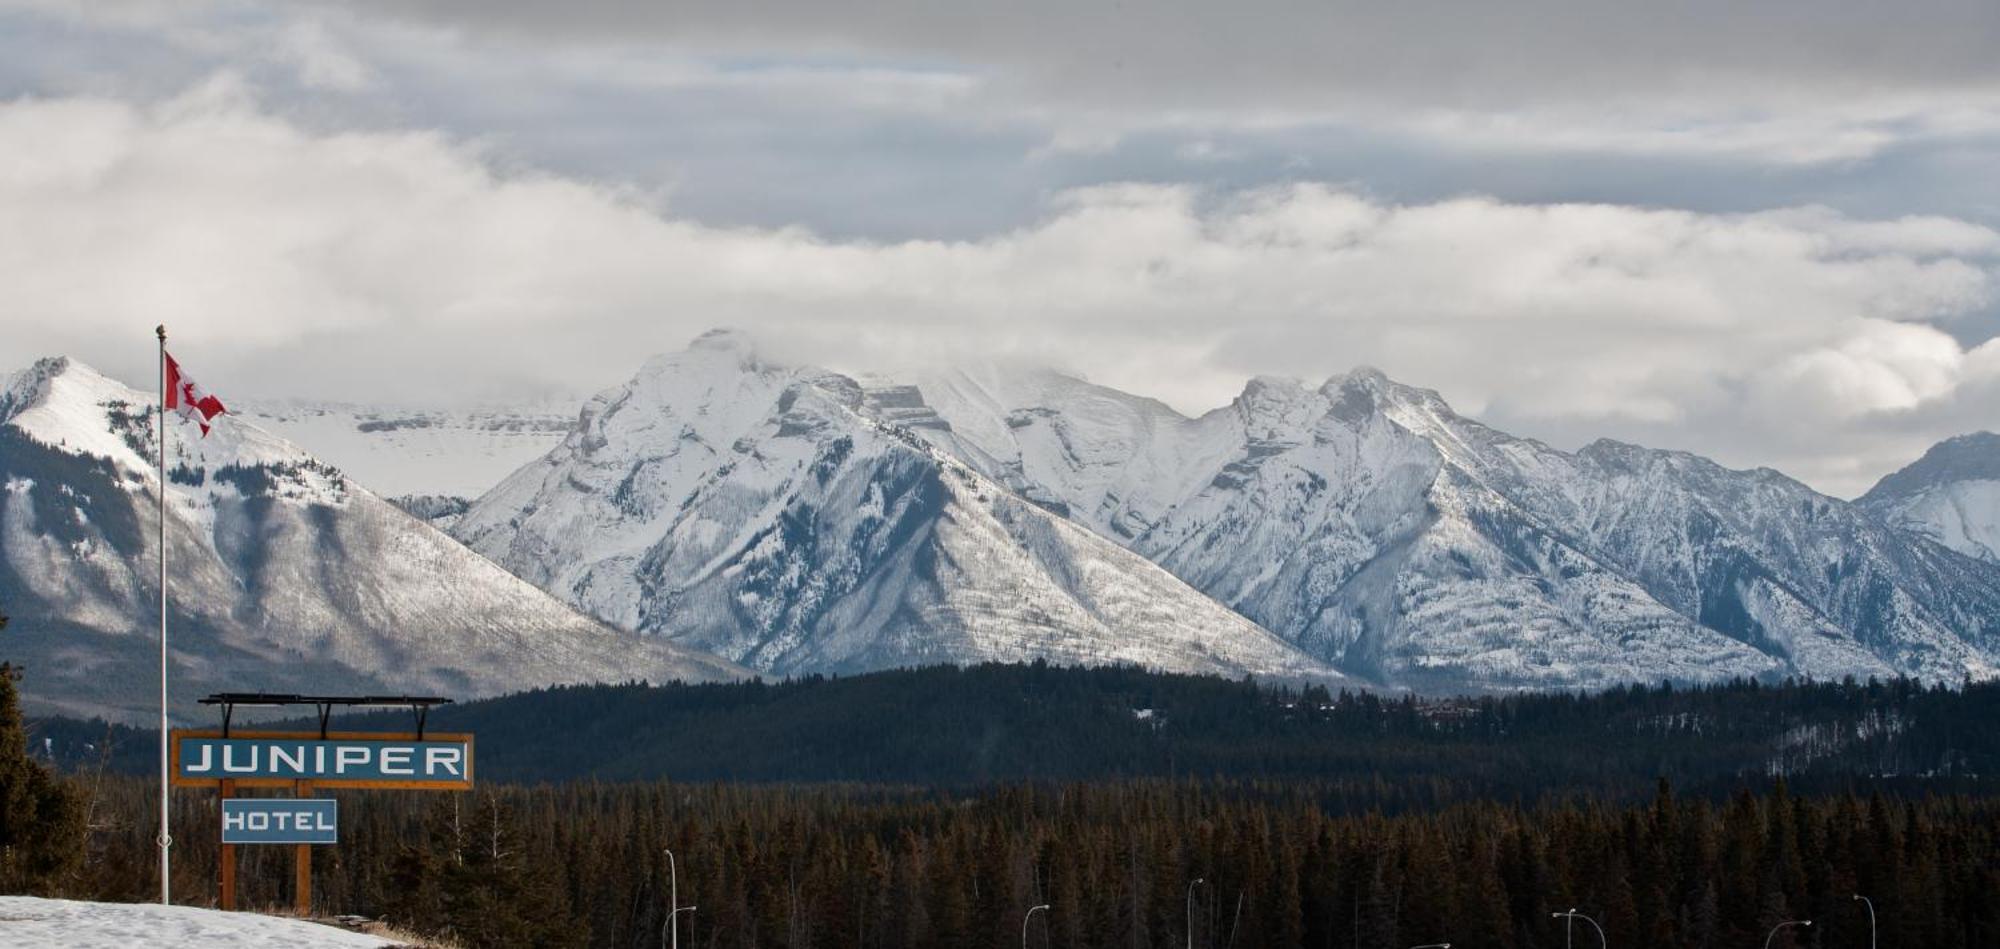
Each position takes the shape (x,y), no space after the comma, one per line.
(32,384)
(724,339)
(50,365)
(723,350)
(1974,456)
(28,386)
(1362,375)
(1377,383)
(60,401)
(1260,386)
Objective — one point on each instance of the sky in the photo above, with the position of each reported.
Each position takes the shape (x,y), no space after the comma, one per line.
(1768,233)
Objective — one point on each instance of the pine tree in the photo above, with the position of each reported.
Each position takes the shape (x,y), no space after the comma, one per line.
(473,880)
(41,815)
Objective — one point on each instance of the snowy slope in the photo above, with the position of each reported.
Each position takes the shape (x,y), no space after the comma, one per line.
(28,922)
(1760,557)
(1314,513)
(785,518)
(1368,523)
(397,450)
(285,575)
(1950,495)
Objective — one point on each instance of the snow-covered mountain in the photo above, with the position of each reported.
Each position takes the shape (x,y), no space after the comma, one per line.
(1950,495)
(1377,529)
(284,574)
(783,517)
(400,450)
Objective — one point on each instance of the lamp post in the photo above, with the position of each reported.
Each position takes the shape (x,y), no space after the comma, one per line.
(1789,922)
(1871,918)
(676,927)
(1032,910)
(674,900)
(1197,881)
(1572,916)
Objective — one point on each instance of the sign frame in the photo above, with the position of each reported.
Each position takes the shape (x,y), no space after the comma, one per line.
(176,779)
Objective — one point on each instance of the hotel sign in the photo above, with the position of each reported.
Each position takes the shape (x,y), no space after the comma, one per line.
(337,759)
(270,820)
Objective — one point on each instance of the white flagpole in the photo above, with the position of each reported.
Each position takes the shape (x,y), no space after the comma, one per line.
(166,838)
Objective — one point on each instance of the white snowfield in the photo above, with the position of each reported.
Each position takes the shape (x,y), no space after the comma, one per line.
(28,922)
(397,450)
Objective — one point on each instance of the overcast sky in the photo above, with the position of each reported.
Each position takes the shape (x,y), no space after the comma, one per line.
(1766,232)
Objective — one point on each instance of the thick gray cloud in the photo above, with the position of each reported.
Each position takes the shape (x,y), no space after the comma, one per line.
(1764,232)
(397,265)
(1275,55)
(768,120)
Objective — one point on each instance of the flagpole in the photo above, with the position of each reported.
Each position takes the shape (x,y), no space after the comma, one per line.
(166,838)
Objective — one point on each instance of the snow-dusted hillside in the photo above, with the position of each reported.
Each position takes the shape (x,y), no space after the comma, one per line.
(28,922)
(770,514)
(284,574)
(1370,524)
(399,451)
(1950,495)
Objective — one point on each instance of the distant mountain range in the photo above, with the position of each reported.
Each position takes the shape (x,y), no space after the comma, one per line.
(723,511)
(768,514)
(285,575)
(794,519)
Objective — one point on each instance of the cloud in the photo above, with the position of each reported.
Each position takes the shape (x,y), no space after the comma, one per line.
(1721,61)
(864,131)
(410,265)
(322,60)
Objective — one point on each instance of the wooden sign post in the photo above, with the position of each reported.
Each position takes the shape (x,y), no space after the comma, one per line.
(306,762)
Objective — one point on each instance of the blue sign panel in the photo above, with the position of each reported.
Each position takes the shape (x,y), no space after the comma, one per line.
(272,820)
(371,763)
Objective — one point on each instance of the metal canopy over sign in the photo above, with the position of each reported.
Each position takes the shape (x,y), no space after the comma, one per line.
(269,820)
(330,759)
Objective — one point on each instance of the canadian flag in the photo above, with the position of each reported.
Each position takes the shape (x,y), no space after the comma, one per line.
(186,396)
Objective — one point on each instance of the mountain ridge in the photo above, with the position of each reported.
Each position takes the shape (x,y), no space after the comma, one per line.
(1950,495)
(285,575)
(755,509)
(1740,554)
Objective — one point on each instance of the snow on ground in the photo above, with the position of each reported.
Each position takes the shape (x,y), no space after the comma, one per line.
(27,922)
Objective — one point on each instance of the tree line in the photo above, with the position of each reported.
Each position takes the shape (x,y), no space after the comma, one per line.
(585,864)
(933,807)
(967,727)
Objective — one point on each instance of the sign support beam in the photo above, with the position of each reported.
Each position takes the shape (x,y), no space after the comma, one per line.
(226,887)
(303,862)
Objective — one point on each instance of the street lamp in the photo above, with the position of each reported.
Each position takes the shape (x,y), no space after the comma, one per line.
(1789,922)
(670,921)
(1871,918)
(674,901)
(1197,881)
(1572,916)
(1433,945)
(1032,910)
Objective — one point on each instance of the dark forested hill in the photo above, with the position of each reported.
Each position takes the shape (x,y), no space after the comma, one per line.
(966,726)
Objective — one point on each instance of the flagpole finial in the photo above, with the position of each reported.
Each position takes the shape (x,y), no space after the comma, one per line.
(161,330)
